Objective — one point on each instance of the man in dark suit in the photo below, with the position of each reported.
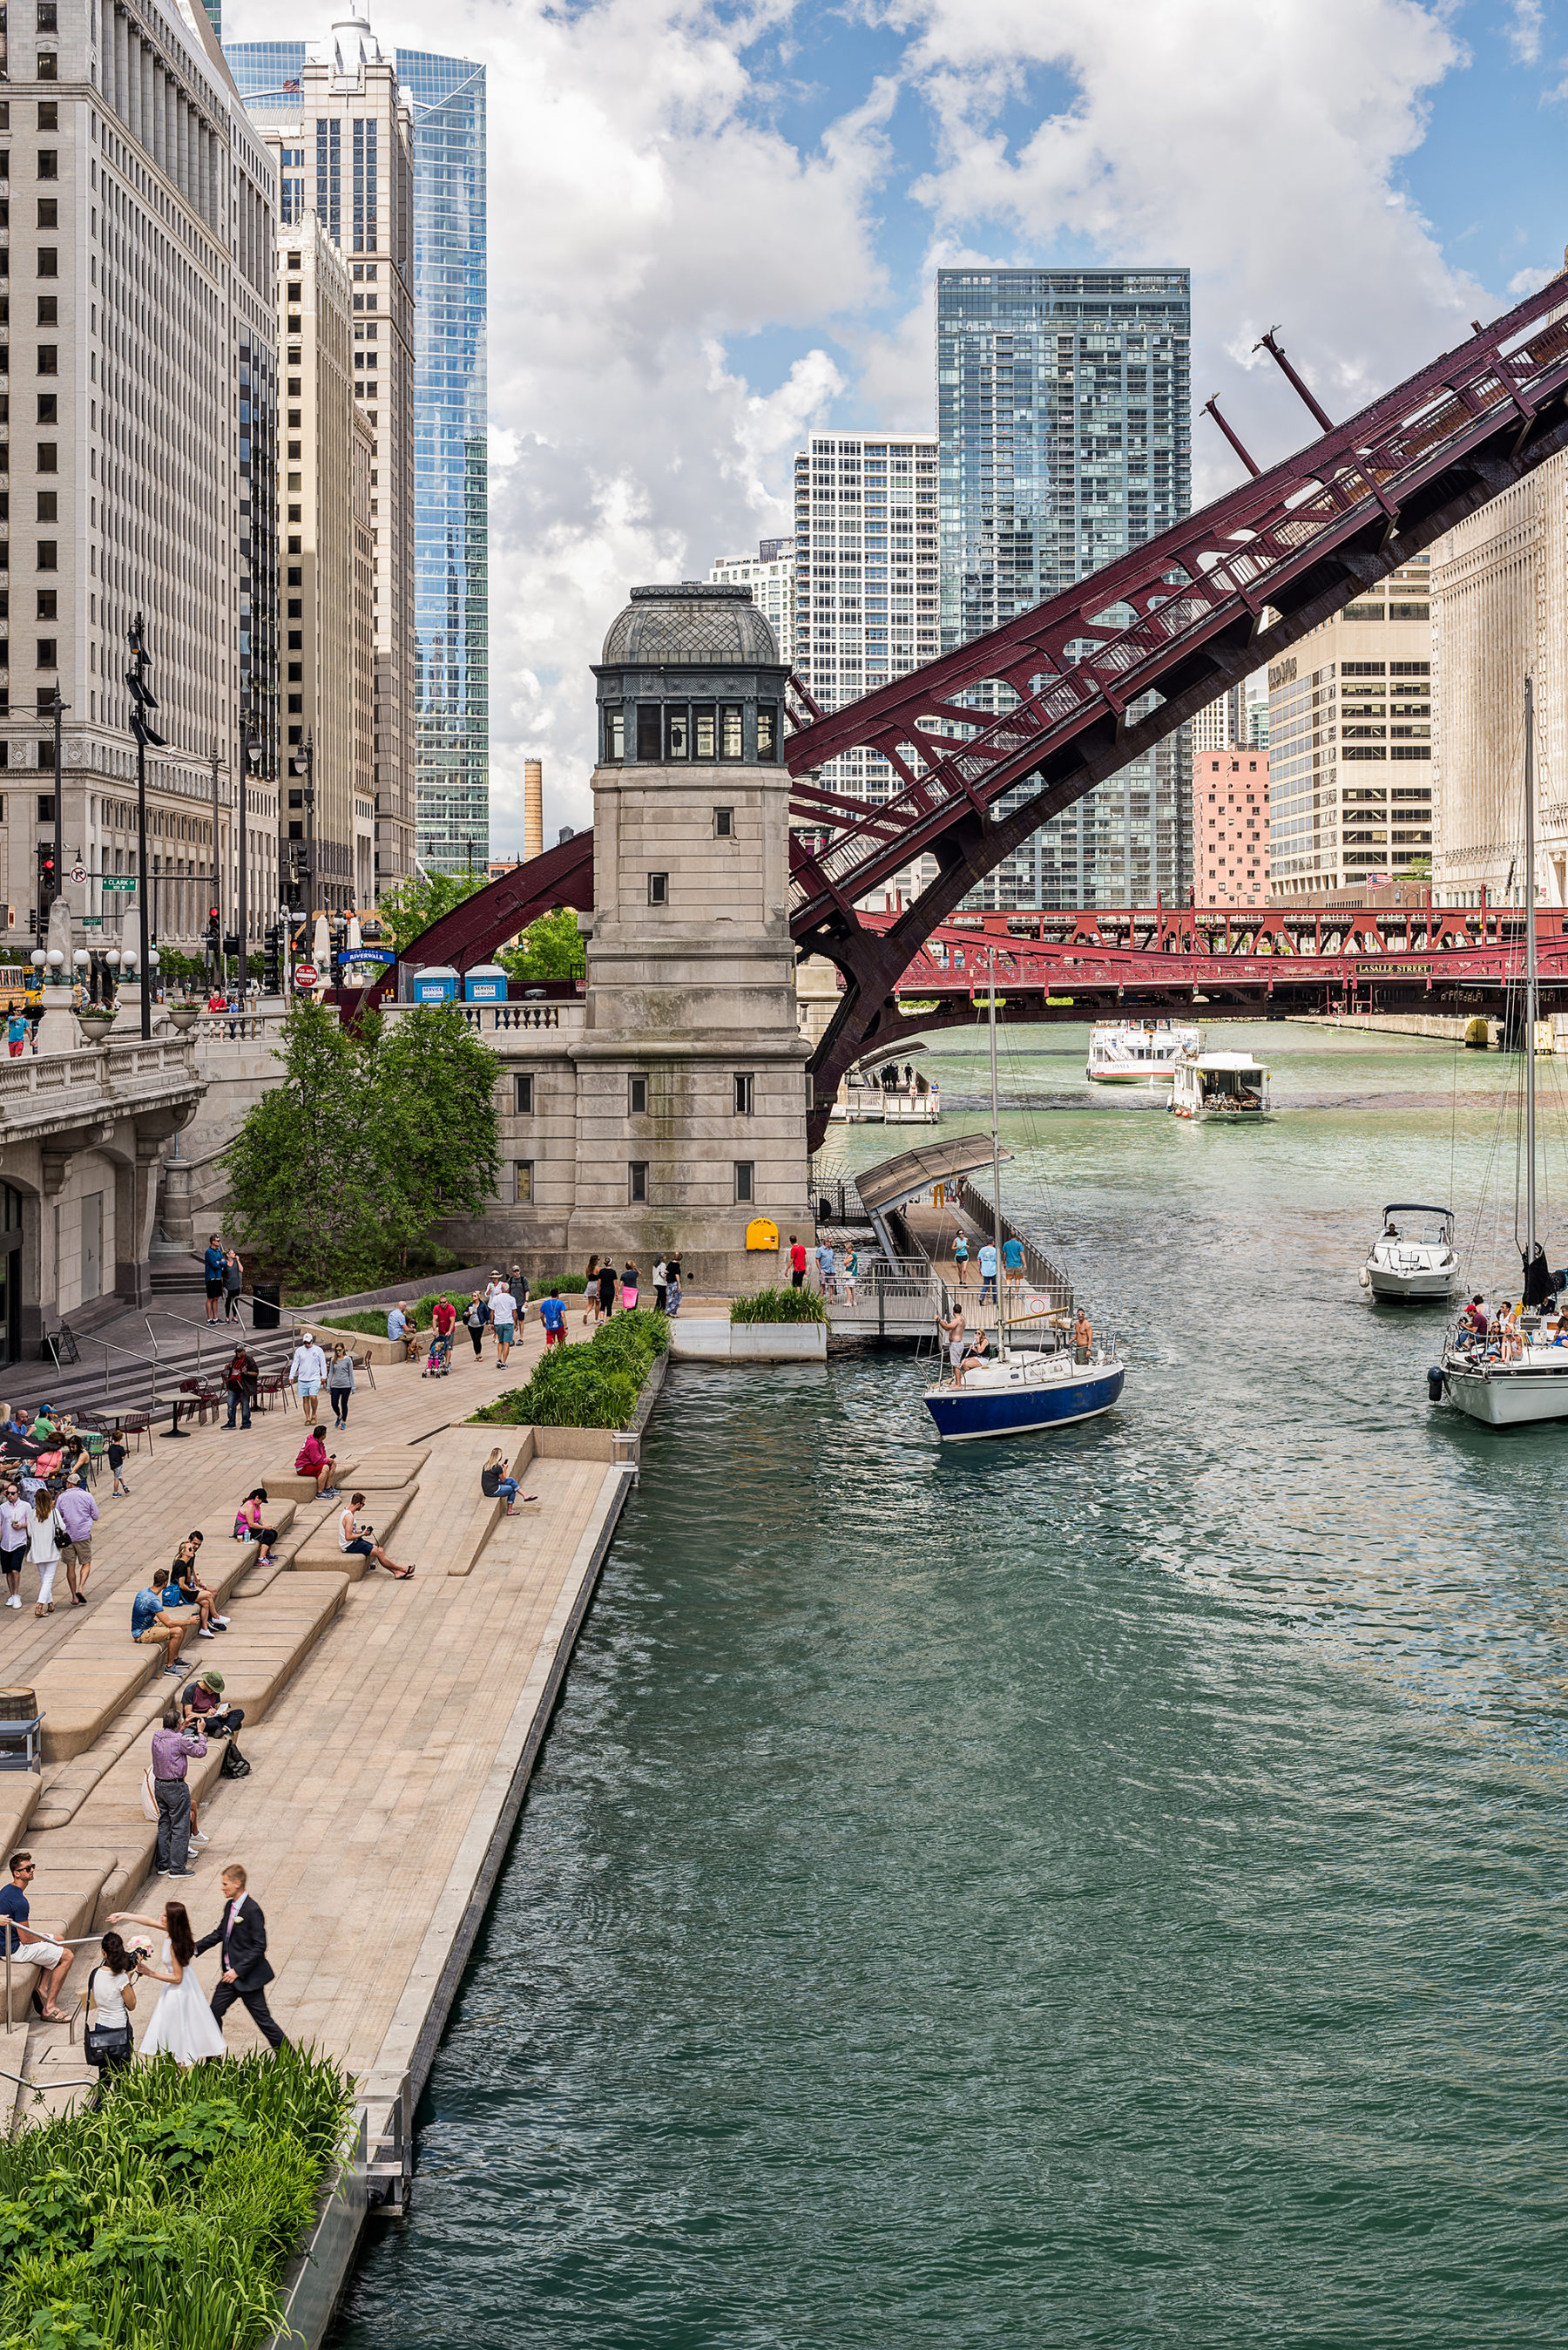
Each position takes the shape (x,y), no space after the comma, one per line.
(243,1933)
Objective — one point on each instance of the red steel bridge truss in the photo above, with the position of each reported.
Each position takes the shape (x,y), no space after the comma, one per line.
(1105,669)
(1222,963)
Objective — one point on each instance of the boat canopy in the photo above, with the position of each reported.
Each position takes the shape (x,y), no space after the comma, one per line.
(896,1180)
(1416,1208)
(1229,1061)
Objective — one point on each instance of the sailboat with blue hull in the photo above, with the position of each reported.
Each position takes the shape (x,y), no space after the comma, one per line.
(1020,1394)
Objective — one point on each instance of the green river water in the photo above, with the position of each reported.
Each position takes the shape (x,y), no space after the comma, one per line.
(1106,1888)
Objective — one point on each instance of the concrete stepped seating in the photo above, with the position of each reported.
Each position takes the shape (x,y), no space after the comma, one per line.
(285,1484)
(400,1464)
(270,1639)
(233,1559)
(319,1554)
(67,1787)
(100,1670)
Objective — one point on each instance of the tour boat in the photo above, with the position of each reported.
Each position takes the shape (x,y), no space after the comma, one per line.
(1408,1267)
(1229,1086)
(1513,1374)
(1016,1392)
(1139,1053)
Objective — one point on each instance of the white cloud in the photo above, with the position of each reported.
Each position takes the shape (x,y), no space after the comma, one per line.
(1524,31)
(668,270)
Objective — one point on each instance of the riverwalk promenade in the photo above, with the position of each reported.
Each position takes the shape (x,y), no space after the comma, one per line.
(390,1726)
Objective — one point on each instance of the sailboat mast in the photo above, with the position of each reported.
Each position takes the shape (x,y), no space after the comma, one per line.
(996,1163)
(1531,977)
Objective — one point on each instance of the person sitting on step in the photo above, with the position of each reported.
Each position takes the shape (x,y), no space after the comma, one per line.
(315,1461)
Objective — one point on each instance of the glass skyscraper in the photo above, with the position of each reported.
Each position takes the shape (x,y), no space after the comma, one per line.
(451,593)
(1063,415)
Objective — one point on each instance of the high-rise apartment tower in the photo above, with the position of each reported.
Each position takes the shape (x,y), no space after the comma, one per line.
(770,576)
(1063,415)
(445,99)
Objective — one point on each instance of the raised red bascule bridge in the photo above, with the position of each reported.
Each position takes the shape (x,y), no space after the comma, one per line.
(1102,672)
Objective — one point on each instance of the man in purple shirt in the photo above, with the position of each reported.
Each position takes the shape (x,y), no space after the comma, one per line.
(172,1748)
(77,1512)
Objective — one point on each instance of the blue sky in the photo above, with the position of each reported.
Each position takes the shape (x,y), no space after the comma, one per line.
(712,227)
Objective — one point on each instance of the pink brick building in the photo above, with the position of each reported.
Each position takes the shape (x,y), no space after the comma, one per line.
(1231,827)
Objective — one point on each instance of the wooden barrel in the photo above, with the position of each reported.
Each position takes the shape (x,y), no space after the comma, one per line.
(18,1705)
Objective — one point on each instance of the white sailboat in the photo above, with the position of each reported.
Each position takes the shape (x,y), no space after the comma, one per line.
(1019,1392)
(1510,1375)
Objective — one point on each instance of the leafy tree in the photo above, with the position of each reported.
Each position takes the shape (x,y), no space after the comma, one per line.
(422,900)
(340,1170)
(551,948)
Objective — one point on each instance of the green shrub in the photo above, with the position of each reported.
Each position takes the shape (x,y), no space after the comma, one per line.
(591,1385)
(169,2216)
(779,1305)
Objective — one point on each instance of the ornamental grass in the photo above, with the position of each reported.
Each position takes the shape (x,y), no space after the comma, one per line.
(165,2220)
(591,1385)
(779,1305)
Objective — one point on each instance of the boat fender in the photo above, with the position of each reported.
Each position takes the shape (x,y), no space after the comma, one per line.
(1435,1384)
(1365,1278)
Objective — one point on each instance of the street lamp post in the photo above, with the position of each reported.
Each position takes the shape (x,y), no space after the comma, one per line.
(142,701)
(58,711)
(302,763)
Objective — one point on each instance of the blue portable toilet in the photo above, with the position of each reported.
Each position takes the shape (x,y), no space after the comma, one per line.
(437,983)
(486,983)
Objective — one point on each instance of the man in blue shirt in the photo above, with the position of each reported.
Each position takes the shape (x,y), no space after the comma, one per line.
(988,1271)
(150,1622)
(553,1314)
(401,1332)
(212,1265)
(1012,1259)
(26,1948)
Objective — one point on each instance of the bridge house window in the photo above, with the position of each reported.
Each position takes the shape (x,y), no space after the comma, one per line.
(523,1174)
(745,1183)
(658,889)
(615,730)
(745,1093)
(723,824)
(525,1096)
(637,1097)
(637,1183)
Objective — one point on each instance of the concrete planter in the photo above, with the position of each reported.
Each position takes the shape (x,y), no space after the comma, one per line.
(748,1342)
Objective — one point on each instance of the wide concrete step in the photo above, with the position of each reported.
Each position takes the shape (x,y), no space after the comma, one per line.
(319,1553)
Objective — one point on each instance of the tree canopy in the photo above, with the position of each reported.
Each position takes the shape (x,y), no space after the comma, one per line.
(551,948)
(340,1172)
(422,900)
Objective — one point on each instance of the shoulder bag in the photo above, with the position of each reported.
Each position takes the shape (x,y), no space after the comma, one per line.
(106,2044)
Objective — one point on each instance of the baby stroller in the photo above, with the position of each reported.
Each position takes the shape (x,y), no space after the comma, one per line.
(438,1361)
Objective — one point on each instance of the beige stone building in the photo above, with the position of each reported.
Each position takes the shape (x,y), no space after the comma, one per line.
(324,529)
(1351,788)
(142,379)
(665,1108)
(1500,604)
(349,160)
(1231,827)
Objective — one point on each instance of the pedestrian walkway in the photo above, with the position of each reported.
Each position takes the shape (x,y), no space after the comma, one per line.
(400,1718)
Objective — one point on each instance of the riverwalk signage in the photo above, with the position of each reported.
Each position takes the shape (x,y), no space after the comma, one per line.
(125,882)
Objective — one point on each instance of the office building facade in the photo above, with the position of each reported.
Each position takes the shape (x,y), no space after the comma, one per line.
(1500,612)
(1063,415)
(770,576)
(1230,826)
(326,530)
(1350,743)
(449,684)
(141,438)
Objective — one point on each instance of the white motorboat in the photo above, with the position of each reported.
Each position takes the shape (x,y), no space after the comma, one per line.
(1229,1086)
(1139,1053)
(1408,1265)
(1512,1371)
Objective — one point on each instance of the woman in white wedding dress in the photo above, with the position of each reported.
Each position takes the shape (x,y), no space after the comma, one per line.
(182,2025)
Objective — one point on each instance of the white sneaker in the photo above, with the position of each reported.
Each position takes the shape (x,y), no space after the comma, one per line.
(222,1622)
(204,1635)
(15,1600)
(197,1838)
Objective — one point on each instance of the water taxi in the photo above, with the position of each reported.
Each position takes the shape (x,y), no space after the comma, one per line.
(1229,1086)
(1135,1053)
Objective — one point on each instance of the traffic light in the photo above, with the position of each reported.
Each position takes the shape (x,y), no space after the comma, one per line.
(231,942)
(213,932)
(47,891)
(272,969)
(139,685)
